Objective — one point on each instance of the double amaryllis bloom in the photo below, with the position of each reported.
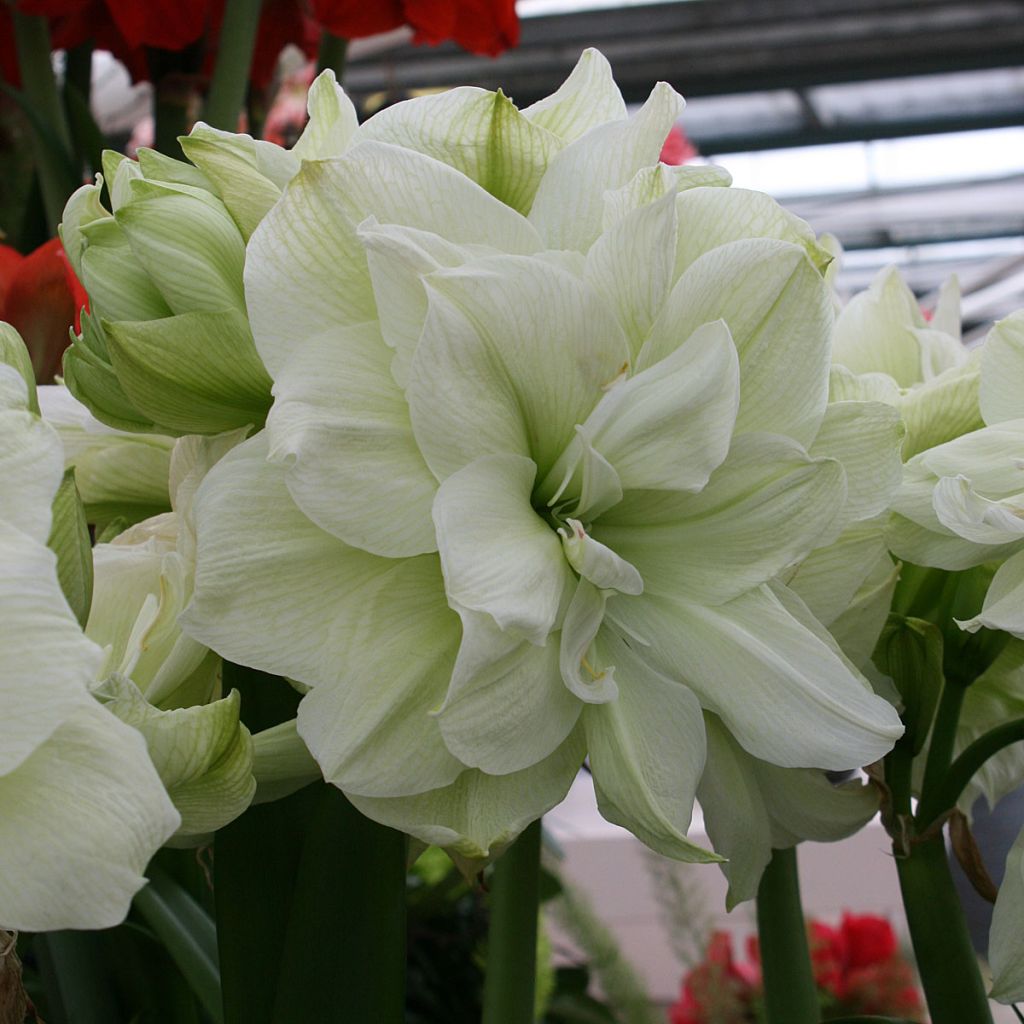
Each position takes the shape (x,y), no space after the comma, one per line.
(549,420)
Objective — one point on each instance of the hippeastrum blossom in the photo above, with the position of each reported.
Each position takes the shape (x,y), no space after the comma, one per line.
(533,459)
(959,505)
(166,347)
(81,807)
(885,350)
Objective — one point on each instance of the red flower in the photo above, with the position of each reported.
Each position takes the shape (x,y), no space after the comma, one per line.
(480,26)
(41,297)
(677,148)
(869,939)
(718,989)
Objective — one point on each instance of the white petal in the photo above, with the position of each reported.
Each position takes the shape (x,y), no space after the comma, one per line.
(497,554)
(340,426)
(865,437)
(649,184)
(399,258)
(31,468)
(47,663)
(506,708)
(587,98)
(569,204)
(583,673)
(1004,603)
(477,132)
(780,321)
(710,217)
(514,354)
(766,506)
(1002,371)
(1006,940)
(598,563)
(647,753)
(670,426)
(960,508)
(332,120)
(79,821)
(478,815)
(631,265)
(784,693)
(374,637)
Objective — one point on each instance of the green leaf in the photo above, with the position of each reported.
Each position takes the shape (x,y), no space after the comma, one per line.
(910,652)
(69,541)
(187,935)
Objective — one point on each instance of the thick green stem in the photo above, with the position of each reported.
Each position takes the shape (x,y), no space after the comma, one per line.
(344,954)
(963,769)
(170,115)
(945,957)
(234,59)
(332,53)
(512,942)
(51,136)
(790,995)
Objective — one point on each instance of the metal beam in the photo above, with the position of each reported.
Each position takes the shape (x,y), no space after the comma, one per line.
(711,47)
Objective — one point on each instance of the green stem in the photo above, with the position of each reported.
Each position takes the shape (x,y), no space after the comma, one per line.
(963,769)
(332,54)
(943,739)
(344,953)
(234,60)
(512,942)
(78,70)
(945,957)
(790,994)
(899,764)
(51,136)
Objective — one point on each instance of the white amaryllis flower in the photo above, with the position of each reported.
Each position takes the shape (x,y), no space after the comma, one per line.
(961,502)
(81,807)
(539,445)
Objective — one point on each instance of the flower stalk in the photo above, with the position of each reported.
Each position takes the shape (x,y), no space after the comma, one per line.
(790,993)
(231,72)
(942,945)
(512,945)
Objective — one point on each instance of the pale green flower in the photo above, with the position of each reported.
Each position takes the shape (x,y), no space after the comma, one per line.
(81,808)
(961,503)
(166,347)
(533,460)
(885,351)
(157,678)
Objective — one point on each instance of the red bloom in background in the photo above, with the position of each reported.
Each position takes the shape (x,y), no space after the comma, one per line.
(869,939)
(480,26)
(857,968)
(42,298)
(719,989)
(677,148)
